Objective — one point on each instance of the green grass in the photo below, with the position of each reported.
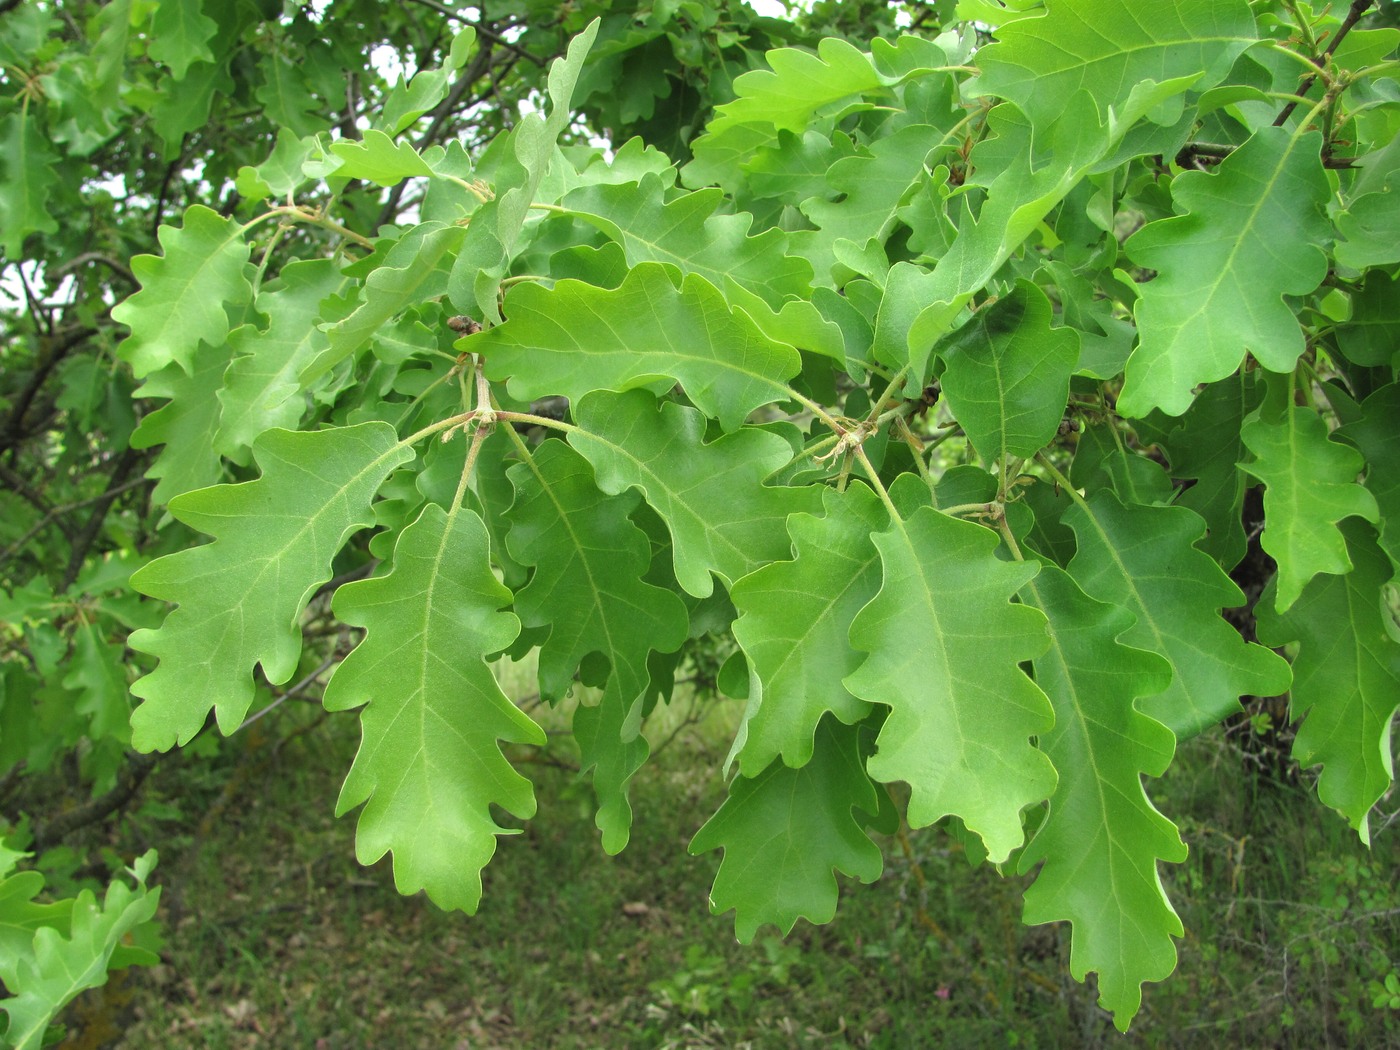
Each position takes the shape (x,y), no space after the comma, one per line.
(276,937)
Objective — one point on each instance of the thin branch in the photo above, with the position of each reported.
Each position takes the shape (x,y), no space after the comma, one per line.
(1358,8)
(480,27)
(112,264)
(294,691)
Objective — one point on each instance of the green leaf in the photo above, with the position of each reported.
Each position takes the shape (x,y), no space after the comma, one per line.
(1206,446)
(869,187)
(185,292)
(378,159)
(414,270)
(1310,487)
(587,590)
(1371,336)
(1007,374)
(945,644)
(794,624)
(1102,837)
(1346,677)
(721,516)
(689,234)
(1368,225)
(62,966)
(241,596)
(1105,47)
(1249,233)
(260,387)
(1374,435)
(21,916)
(496,226)
(180,35)
(430,766)
(785,98)
(575,337)
(1144,559)
(97,675)
(787,831)
(27,164)
(185,425)
(1035,172)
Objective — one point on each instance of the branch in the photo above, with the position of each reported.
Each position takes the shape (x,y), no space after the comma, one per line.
(131,777)
(112,264)
(1358,8)
(88,534)
(489,34)
(55,513)
(57,351)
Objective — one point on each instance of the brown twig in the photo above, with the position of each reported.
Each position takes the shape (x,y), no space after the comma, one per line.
(1358,8)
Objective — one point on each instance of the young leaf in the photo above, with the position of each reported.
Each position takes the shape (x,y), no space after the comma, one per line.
(378,159)
(1007,375)
(1346,677)
(430,766)
(185,424)
(1310,487)
(1249,234)
(414,271)
(241,597)
(62,966)
(1144,559)
(184,292)
(945,644)
(1102,837)
(688,233)
(794,624)
(260,387)
(721,516)
(780,858)
(575,337)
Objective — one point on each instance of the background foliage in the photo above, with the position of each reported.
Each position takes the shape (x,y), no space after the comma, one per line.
(969,389)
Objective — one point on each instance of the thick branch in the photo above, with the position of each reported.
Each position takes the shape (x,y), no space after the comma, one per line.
(130,779)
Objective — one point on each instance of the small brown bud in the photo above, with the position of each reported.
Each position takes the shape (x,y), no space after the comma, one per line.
(464,324)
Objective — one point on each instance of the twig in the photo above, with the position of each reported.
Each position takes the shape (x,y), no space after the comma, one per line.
(1358,8)
(295,690)
(58,512)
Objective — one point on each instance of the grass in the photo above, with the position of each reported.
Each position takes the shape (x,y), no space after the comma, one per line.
(276,937)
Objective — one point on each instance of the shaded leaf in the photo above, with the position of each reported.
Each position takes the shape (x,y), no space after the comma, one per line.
(722,518)
(780,856)
(794,624)
(1346,677)
(1102,838)
(1144,560)
(1007,374)
(587,589)
(1310,486)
